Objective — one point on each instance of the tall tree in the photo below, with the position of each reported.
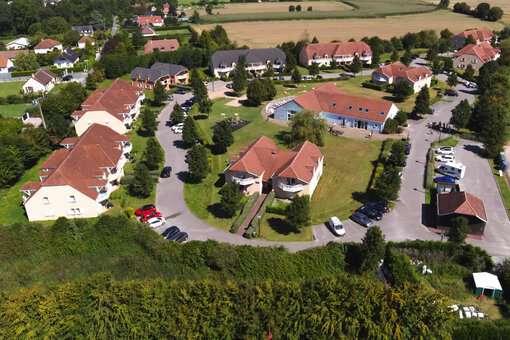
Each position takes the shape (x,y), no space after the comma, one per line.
(239,77)
(231,197)
(469,73)
(422,102)
(141,184)
(198,163)
(149,125)
(402,90)
(153,155)
(372,246)
(177,114)
(159,94)
(222,136)
(452,79)
(305,126)
(189,131)
(461,115)
(407,57)
(296,75)
(458,229)
(200,94)
(356,66)
(298,212)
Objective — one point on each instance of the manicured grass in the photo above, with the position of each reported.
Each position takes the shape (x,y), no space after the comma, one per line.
(274,228)
(9,88)
(13,110)
(504,190)
(450,141)
(11,209)
(348,164)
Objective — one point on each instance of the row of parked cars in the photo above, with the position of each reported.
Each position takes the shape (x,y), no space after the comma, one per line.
(150,215)
(366,215)
(445,156)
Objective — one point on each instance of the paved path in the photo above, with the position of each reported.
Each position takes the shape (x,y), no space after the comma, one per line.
(253,211)
(402,223)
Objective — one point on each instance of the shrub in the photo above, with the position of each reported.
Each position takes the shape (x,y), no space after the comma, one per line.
(371,85)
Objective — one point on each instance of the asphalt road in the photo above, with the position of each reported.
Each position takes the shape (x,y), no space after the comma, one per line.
(404,222)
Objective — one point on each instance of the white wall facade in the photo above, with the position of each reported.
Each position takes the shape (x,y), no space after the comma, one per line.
(47,50)
(33,86)
(99,117)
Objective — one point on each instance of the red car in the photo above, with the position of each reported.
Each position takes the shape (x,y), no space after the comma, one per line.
(145,210)
(145,218)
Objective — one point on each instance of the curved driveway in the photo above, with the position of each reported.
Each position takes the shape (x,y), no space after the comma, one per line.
(404,222)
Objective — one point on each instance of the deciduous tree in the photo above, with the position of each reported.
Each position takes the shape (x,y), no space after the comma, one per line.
(306,126)
(461,115)
(298,212)
(458,230)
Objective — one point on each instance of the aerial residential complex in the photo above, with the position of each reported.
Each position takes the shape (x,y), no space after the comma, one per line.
(475,55)
(77,180)
(477,35)
(417,77)
(256,60)
(339,108)
(116,107)
(263,167)
(323,54)
(166,74)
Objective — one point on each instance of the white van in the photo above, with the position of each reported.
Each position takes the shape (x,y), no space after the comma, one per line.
(453,169)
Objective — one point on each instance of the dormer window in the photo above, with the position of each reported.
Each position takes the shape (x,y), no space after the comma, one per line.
(381,113)
(46,200)
(366,110)
(72,199)
(350,107)
(360,109)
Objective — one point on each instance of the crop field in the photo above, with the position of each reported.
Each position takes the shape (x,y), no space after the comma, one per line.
(320,10)
(271,33)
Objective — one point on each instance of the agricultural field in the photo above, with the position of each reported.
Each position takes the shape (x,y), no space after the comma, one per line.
(319,10)
(271,33)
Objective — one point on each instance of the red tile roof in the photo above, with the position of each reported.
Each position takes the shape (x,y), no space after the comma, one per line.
(400,70)
(30,186)
(328,98)
(86,39)
(47,44)
(44,76)
(164,45)
(166,8)
(461,203)
(83,166)
(147,30)
(484,51)
(263,158)
(350,48)
(478,34)
(115,100)
(144,20)
(6,55)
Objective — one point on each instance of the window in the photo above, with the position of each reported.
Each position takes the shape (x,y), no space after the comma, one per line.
(350,107)
(74,211)
(72,199)
(46,200)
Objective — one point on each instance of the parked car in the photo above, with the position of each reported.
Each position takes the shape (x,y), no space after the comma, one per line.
(444,158)
(229,86)
(173,236)
(68,77)
(362,219)
(451,93)
(149,216)
(182,237)
(169,230)
(381,206)
(336,226)
(445,150)
(407,148)
(156,222)
(177,130)
(177,126)
(145,210)
(166,172)
(371,213)
(172,233)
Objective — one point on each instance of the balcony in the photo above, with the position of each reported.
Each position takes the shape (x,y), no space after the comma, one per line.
(244,181)
(127,147)
(291,187)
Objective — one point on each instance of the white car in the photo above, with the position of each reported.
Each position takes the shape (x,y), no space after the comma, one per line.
(445,150)
(178,130)
(336,226)
(156,222)
(445,158)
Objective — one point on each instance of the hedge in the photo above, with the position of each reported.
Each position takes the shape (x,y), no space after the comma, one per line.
(15,74)
(371,85)
(244,212)
(429,170)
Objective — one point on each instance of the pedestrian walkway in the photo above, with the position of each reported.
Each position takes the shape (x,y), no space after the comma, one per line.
(246,223)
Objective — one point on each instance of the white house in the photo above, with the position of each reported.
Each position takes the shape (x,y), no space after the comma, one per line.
(77,180)
(48,45)
(82,43)
(42,81)
(7,59)
(416,77)
(257,60)
(18,44)
(343,53)
(116,107)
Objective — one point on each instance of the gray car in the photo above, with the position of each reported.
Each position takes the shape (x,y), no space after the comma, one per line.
(362,219)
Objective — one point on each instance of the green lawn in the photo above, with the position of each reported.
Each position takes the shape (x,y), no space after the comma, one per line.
(504,190)
(11,210)
(13,110)
(347,162)
(9,88)
(274,228)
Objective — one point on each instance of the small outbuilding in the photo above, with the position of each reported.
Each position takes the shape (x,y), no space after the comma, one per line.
(461,203)
(487,284)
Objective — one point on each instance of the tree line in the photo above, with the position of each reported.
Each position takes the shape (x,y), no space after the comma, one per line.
(482,11)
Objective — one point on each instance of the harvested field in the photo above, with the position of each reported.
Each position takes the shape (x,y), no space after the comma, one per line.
(271,33)
(320,10)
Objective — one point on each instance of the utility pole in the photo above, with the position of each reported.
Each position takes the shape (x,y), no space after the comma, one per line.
(41,112)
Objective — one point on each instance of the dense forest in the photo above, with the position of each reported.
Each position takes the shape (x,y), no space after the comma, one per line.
(113,277)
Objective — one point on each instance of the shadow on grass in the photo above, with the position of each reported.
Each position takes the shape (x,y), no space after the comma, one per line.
(220,181)
(281,226)
(216,211)
(185,177)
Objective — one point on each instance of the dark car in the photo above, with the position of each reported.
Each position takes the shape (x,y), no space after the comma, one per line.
(173,234)
(166,172)
(169,230)
(381,206)
(362,219)
(372,213)
(68,77)
(182,237)
(451,93)
(407,148)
